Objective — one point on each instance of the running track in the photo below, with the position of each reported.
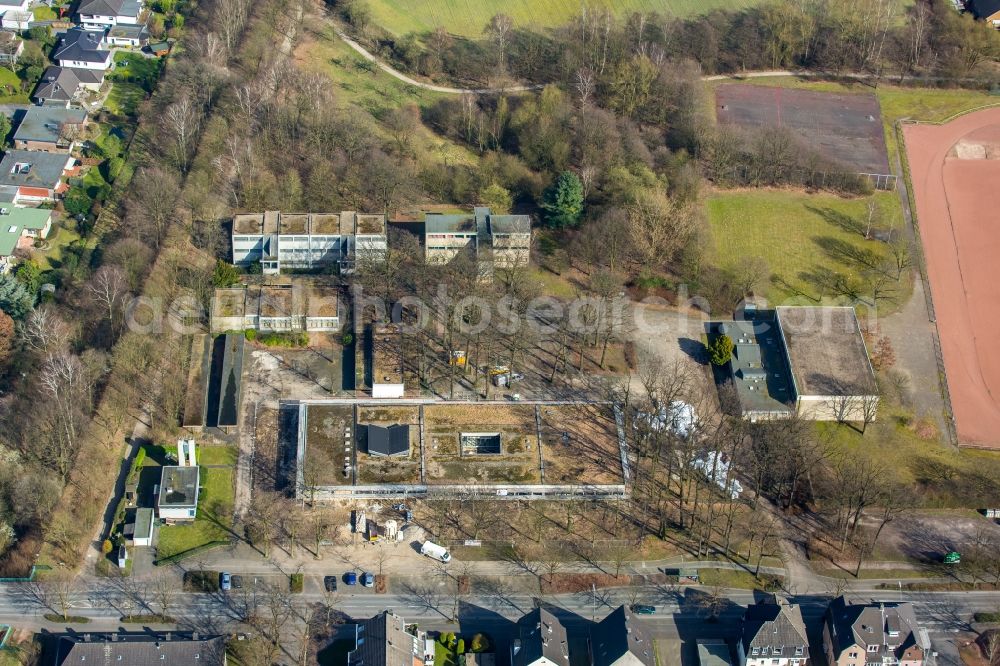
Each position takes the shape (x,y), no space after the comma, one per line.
(960,230)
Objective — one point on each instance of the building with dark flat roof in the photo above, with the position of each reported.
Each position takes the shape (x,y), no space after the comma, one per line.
(177,500)
(50,129)
(388,441)
(140,649)
(758,369)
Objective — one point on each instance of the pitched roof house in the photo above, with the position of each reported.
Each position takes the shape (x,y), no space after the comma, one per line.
(169,649)
(540,641)
(108,13)
(621,640)
(33,176)
(60,86)
(384,641)
(49,128)
(82,49)
(856,634)
(773,634)
(19,227)
(985,10)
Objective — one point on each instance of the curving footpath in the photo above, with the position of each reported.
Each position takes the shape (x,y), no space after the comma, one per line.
(395,73)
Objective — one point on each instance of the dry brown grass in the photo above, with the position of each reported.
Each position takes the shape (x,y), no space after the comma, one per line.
(469,415)
(386,414)
(580,444)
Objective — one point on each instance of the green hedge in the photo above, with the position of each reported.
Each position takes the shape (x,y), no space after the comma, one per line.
(986,617)
(296,582)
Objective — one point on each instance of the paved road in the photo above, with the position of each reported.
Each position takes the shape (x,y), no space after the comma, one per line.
(680,615)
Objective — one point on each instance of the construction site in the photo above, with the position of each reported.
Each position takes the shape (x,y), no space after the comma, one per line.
(525,450)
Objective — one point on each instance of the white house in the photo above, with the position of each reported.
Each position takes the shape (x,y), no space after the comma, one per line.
(82,49)
(17,20)
(773,634)
(13,5)
(139,531)
(101,14)
(177,495)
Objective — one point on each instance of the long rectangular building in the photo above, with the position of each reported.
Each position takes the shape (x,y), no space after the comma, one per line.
(306,241)
(494,240)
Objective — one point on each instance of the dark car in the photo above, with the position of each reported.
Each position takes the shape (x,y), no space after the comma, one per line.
(643,609)
(351,578)
(330,583)
(367,579)
(237,582)
(225,581)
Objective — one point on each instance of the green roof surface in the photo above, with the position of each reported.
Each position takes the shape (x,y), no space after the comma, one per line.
(14,220)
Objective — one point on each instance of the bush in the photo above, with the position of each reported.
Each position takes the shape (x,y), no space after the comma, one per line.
(107,547)
(296,582)
(347,339)
(986,617)
(250,334)
(460,648)
(284,339)
(720,350)
(480,643)
(225,274)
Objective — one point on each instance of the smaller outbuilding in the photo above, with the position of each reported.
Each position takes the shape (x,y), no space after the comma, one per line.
(139,529)
(388,441)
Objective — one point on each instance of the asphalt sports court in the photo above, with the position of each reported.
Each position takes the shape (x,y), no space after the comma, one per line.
(955,171)
(846,128)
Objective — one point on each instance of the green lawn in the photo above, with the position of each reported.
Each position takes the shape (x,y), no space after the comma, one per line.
(729,578)
(216,455)
(10,88)
(797,234)
(215,516)
(134,67)
(124,98)
(58,241)
(44,13)
(360,83)
(468,18)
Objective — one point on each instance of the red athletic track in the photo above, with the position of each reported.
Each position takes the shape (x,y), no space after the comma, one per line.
(960,229)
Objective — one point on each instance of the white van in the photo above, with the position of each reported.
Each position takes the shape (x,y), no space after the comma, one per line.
(431,549)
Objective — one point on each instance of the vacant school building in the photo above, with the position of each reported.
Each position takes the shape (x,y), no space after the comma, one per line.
(306,241)
(807,361)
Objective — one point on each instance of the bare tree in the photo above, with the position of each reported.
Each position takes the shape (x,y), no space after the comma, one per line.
(182,120)
(164,591)
(499,29)
(109,290)
(45,332)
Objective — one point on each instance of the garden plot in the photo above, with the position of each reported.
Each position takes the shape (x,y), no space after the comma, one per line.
(580,445)
(329,445)
(399,467)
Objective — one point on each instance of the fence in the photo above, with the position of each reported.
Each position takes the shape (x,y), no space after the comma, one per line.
(842,181)
(493,491)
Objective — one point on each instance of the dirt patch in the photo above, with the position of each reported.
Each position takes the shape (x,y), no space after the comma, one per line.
(580,444)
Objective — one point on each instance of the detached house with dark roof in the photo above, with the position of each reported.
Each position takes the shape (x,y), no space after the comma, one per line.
(621,640)
(49,129)
(61,86)
(30,176)
(859,634)
(540,640)
(82,49)
(773,634)
(101,14)
(985,10)
(384,641)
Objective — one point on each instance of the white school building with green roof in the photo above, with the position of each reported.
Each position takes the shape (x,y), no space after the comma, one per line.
(19,228)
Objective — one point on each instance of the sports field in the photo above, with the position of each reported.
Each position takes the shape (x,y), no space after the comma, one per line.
(954,169)
(469,17)
(843,127)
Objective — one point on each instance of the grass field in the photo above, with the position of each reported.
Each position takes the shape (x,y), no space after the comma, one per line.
(797,234)
(467,18)
(215,515)
(44,13)
(58,241)
(124,98)
(358,82)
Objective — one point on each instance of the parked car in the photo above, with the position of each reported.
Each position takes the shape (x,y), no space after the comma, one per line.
(330,583)
(643,609)
(225,581)
(351,578)
(367,579)
(237,582)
